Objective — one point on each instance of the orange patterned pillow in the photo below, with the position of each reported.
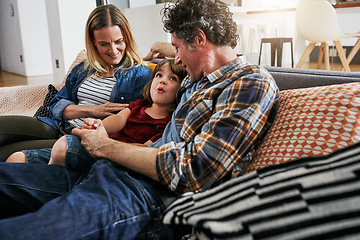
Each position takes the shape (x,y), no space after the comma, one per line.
(311,122)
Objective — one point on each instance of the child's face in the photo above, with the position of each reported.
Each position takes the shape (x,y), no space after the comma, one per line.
(164,86)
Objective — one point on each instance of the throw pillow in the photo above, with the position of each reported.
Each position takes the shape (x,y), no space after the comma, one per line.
(43,111)
(311,122)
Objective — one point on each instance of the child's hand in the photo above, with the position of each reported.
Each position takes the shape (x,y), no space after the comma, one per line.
(91,123)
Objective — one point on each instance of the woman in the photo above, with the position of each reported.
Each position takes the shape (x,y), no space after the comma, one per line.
(111,77)
(142,122)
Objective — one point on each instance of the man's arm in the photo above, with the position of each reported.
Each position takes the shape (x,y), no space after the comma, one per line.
(160,49)
(139,159)
(219,135)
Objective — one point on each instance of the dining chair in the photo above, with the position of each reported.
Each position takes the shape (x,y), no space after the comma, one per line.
(317,22)
(353,51)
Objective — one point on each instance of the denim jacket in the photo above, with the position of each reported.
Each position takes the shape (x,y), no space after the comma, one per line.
(127,88)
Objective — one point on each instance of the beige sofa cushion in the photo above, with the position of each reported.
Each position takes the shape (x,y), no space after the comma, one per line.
(25,100)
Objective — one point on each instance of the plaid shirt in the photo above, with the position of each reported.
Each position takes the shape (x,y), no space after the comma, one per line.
(220,125)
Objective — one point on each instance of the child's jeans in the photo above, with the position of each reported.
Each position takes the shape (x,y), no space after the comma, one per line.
(76,155)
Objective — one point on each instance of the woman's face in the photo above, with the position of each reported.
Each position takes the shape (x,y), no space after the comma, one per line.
(110,44)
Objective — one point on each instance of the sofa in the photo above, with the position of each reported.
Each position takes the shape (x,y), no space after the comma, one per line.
(319,114)
(26,100)
(303,182)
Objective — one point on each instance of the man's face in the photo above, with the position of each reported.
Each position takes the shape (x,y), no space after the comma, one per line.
(188,56)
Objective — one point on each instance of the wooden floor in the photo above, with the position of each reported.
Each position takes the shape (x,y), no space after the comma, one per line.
(8,79)
(355,67)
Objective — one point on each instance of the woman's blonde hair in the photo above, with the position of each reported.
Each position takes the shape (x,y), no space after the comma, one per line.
(177,69)
(107,16)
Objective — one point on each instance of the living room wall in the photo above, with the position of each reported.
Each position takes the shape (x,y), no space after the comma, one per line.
(67,19)
(24,38)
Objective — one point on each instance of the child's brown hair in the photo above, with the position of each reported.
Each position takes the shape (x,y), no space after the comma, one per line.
(177,69)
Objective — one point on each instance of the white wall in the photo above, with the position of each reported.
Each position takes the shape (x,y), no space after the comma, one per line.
(146,24)
(67,22)
(141,3)
(24,32)
(35,37)
(10,45)
(349,19)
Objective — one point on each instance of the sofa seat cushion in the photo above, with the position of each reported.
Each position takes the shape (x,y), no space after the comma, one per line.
(311,122)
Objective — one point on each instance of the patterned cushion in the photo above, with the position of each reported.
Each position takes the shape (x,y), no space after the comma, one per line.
(43,110)
(311,122)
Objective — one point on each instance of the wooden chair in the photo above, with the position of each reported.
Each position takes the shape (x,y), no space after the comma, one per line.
(317,22)
(353,51)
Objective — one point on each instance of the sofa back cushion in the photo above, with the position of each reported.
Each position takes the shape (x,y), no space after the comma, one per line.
(81,57)
(311,122)
(294,78)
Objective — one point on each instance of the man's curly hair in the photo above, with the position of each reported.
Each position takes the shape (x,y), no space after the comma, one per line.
(186,17)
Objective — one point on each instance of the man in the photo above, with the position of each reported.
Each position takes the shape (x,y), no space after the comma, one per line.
(225,108)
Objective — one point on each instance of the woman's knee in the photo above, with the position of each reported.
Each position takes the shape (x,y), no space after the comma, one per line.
(17,157)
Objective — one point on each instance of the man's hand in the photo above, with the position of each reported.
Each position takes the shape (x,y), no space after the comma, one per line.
(98,144)
(93,140)
(160,50)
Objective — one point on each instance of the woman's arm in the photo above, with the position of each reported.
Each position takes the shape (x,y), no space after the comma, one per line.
(112,124)
(65,96)
(100,111)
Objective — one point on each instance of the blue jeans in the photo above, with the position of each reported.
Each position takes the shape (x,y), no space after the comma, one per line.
(40,156)
(76,155)
(105,203)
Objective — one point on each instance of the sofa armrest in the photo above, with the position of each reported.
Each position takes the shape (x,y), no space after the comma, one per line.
(23,100)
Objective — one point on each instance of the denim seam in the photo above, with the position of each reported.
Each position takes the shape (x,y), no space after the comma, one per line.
(130,219)
(27,187)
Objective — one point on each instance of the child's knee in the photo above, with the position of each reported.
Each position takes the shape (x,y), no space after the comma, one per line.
(58,152)
(17,157)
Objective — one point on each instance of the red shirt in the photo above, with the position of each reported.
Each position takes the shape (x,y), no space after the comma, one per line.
(140,127)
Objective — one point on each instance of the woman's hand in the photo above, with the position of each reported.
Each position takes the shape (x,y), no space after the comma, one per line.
(107,109)
(100,111)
